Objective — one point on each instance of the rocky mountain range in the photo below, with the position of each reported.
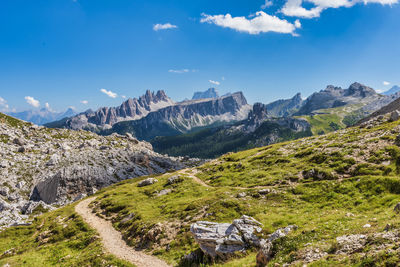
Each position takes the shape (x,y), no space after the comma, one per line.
(186,116)
(42,166)
(106,117)
(42,116)
(210,93)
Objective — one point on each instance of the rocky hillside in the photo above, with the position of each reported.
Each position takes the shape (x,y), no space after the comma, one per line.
(329,200)
(58,166)
(391,107)
(105,117)
(186,116)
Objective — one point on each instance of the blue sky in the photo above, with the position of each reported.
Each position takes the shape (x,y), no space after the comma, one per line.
(64,52)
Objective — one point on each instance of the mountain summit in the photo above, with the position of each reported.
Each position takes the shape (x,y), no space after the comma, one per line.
(210,93)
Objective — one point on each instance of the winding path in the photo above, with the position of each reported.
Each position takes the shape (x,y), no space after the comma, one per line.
(112,239)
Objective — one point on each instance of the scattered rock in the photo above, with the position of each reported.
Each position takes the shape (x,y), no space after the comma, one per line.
(241,195)
(349,244)
(148,181)
(20,185)
(367,225)
(79,197)
(19,141)
(4,191)
(264,191)
(397,208)
(21,149)
(164,192)
(282,232)
(394,116)
(53,160)
(264,255)
(174,179)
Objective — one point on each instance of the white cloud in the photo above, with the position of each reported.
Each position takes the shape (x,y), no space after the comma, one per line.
(123,96)
(267,3)
(165,26)
(85,102)
(109,93)
(294,8)
(32,101)
(3,105)
(382,2)
(385,83)
(179,71)
(261,22)
(214,82)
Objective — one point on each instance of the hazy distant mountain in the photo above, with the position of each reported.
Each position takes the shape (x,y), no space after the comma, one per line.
(106,117)
(285,107)
(210,93)
(42,116)
(393,90)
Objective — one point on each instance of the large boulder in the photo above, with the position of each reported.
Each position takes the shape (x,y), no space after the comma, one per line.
(224,239)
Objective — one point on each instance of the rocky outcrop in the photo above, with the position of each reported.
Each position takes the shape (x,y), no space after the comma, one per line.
(210,93)
(183,117)
(58,166)
(105,117)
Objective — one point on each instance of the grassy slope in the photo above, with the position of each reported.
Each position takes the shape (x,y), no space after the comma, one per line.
(333,119)
(58,238)
(355,172)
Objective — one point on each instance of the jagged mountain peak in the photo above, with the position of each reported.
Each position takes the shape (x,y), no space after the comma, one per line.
(105,117)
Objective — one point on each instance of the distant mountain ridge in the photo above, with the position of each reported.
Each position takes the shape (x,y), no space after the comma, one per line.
(106,117)
(395,89)
(42,116)
(210,93)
